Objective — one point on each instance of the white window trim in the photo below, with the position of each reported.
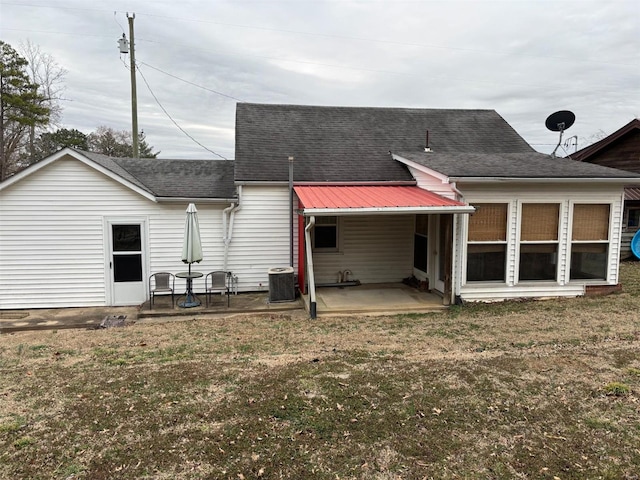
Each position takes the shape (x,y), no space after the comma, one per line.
(466,242)
(570,243)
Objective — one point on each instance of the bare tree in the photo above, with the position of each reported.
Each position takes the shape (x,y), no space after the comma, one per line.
(49,76)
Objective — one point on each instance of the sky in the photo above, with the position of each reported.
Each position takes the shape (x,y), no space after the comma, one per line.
(526,59)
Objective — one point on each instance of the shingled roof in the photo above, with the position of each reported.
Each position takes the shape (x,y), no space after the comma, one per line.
(334,144)
(511,165)
(354,144)
(170,178)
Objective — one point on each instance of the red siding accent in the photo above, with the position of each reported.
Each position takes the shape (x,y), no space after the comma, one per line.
(301,254)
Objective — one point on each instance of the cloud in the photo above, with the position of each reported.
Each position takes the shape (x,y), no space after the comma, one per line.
(523,58)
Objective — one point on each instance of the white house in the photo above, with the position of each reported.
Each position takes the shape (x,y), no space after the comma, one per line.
(455,198)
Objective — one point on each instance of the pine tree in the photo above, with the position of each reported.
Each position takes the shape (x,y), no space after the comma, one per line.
(21,106)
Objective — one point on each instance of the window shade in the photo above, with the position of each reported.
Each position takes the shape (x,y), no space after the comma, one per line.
(539,222)
(488,223)
(590,222)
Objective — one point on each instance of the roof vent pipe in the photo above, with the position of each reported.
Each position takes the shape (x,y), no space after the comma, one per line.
(426,143)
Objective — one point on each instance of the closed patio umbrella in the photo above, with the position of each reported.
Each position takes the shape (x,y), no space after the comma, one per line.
(191,253)
(192,246)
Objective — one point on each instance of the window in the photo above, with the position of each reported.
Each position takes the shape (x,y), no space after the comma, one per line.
(127,253)
(420,242)
(487,243)
(590,241)
(539,241)
(325,234)
(633,218)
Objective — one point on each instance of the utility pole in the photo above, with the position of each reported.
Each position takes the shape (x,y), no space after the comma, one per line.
(134,95)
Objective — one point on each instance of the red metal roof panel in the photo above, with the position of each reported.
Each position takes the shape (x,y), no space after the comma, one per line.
(354,197)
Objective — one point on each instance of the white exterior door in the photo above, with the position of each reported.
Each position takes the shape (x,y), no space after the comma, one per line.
(127,262)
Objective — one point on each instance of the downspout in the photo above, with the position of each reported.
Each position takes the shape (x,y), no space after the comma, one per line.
(291,211)
(312,282)
(227,233)
(456,251)
(301,254)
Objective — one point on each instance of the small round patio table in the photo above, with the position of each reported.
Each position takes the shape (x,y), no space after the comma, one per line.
(190,299)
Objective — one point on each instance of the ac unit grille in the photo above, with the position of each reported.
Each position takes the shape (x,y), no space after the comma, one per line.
(281,285)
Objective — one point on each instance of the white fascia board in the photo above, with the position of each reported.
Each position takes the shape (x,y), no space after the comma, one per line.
(435,174)
(320,212)
(547,180)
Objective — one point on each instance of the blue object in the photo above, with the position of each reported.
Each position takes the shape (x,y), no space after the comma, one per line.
(635,245)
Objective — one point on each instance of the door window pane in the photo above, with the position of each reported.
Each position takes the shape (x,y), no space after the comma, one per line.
(127,268)
(126,238)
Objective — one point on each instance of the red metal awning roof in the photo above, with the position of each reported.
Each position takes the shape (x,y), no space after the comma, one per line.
(342,200)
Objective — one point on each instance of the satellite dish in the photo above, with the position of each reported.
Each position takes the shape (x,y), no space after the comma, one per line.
(559,122)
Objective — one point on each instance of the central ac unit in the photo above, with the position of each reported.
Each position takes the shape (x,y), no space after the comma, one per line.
(281,285)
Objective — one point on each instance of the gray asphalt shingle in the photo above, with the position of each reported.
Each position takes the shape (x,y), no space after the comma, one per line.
(170,178)
(511,165)
(353,144)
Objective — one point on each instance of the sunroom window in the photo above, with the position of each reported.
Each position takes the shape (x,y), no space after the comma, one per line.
(487,243)
(590,241)
(539,241)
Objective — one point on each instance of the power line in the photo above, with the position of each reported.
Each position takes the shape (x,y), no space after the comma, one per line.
(190,83)
(171,118)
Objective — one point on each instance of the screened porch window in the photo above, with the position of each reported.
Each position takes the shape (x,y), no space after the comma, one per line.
(539,241)
(420,242)
(487,243)
(325,234)
(590,241)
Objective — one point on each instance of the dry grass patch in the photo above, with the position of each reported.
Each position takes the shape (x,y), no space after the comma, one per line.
(513,390)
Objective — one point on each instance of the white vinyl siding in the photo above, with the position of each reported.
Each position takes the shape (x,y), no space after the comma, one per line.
(53,239)
(376,249)
(261,236)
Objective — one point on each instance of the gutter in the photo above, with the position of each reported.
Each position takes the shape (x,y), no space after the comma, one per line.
(327,183)
(385,210)
(312,281)
(620,180)
(195,200)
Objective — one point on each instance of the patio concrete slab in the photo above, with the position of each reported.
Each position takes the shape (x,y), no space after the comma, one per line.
(374,299)
(91,317)
(363,299)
